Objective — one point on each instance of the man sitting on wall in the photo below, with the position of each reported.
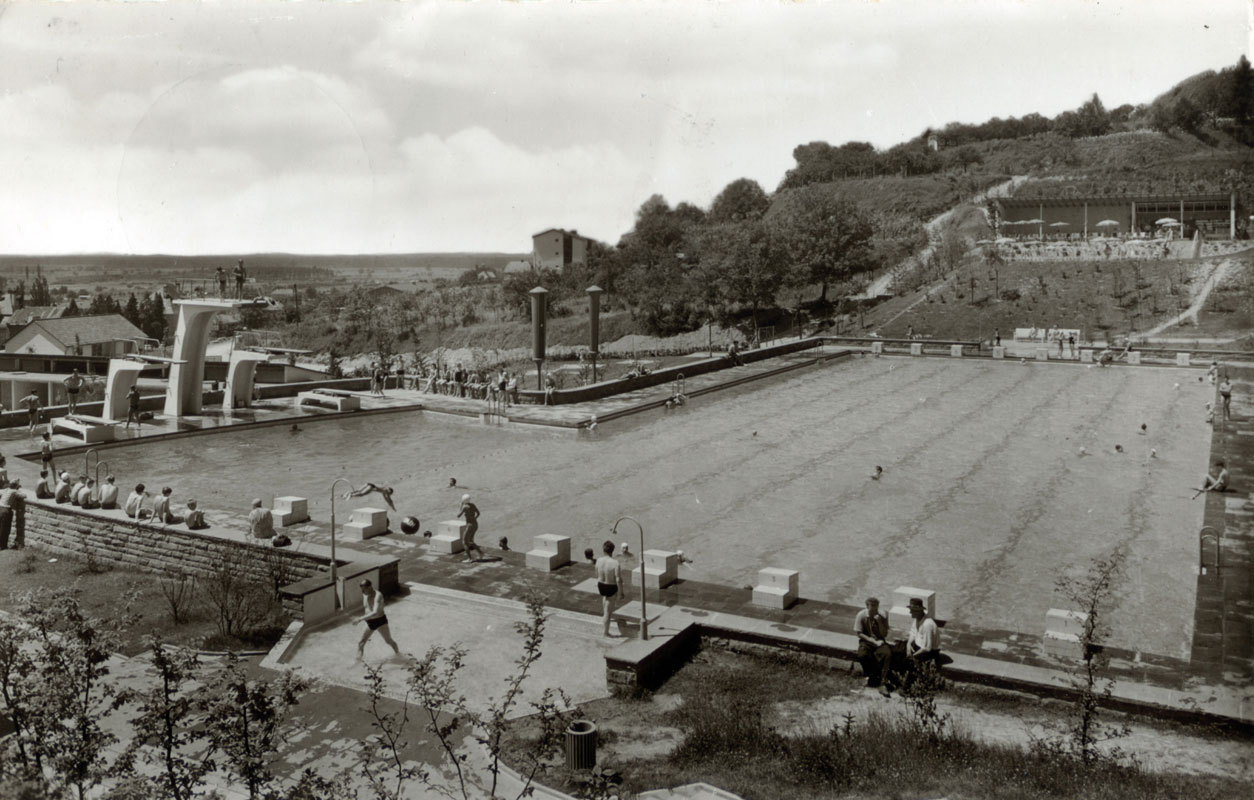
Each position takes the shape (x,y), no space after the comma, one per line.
(109,494)
(161,508)
(874,652)
(43,490)
(195,517)
(921,648)
(76,491)
(85,497)
(260,521)
(62,492)
(134,503)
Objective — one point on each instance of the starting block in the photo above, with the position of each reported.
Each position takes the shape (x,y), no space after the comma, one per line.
(877,347)
(1183,359)
(1063,630)
(660,567)
(333,399)
(1086,356)
(1042,354)
(449,538)
(368,522)
(777,588)
(899,614)
(90,429)
(1134,358)
(549,552)
(955,351)
(999,352)
(290,511)
(916,348)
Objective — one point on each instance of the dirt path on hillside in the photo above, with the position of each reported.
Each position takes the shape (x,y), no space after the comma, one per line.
(1199,299)
(882,284)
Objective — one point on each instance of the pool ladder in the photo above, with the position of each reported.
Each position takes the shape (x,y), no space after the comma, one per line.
(677,390)
(93,468)
(1214,536)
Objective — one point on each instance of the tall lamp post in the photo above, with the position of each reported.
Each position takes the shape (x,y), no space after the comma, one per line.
(335,587)
(594,324)
(644,614)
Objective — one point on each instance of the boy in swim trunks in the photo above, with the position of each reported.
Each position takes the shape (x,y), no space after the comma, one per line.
(73,385)
(609,578)
(471,512)
(374,617)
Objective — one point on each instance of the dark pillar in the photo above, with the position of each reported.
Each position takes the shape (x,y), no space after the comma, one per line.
(539,320)
(594,324)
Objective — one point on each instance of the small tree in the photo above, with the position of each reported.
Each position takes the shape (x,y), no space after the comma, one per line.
(244,721)
(68,695)
(239,602)
(433,683)
(1090,595)
(167,713)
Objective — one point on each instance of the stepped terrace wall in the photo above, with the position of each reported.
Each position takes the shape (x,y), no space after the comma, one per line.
(112,539)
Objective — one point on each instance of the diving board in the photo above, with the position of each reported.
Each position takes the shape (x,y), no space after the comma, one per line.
(90,429)
(333,399)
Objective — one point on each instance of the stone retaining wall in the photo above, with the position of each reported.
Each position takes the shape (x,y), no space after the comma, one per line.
(120,542)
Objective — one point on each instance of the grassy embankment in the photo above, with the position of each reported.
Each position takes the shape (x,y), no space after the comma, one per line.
(748,724)
(112,593)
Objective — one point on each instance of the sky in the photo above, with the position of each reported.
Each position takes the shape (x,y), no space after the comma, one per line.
(441,126)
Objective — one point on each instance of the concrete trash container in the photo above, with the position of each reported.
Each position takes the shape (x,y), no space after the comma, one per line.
(581,745)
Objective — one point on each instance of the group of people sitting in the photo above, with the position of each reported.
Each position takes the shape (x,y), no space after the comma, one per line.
(892,663)
(84,492)
(474,384)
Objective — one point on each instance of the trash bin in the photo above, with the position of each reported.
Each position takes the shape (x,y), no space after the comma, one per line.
(581,745)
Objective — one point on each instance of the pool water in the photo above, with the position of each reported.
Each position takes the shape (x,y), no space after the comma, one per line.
(984,498)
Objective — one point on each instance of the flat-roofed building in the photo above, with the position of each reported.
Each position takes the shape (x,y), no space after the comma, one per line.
(557,249)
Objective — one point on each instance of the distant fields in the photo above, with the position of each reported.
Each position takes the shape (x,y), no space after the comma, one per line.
(110,269)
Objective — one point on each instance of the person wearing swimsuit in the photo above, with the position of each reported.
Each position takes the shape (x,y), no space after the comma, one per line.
(609,578)
(374,617)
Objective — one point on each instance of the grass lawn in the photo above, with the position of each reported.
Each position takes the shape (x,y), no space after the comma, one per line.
(1102,298)
(751,723)
(110,593)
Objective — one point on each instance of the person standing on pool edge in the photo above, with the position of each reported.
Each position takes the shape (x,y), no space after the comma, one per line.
(609,578)
(132,408)
(374,617)
(471,512)
(1225,393)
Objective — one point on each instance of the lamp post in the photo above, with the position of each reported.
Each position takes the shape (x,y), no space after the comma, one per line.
(644,614)
(594,324)
(335,588)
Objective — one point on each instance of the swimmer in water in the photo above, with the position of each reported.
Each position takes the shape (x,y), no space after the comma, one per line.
(452,483)
(295,428)
(879,471)
(1143,430)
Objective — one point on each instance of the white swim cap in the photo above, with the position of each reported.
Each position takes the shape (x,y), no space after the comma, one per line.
(465,497)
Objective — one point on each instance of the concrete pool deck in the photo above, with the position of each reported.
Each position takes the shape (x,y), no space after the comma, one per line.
(1213,677)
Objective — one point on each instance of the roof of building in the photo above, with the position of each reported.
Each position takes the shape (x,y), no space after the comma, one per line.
(573,234)
(24,316)
(88,330)
(1026,202)
(518,266)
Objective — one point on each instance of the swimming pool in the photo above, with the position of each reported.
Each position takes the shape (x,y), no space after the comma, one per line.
(984,499)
